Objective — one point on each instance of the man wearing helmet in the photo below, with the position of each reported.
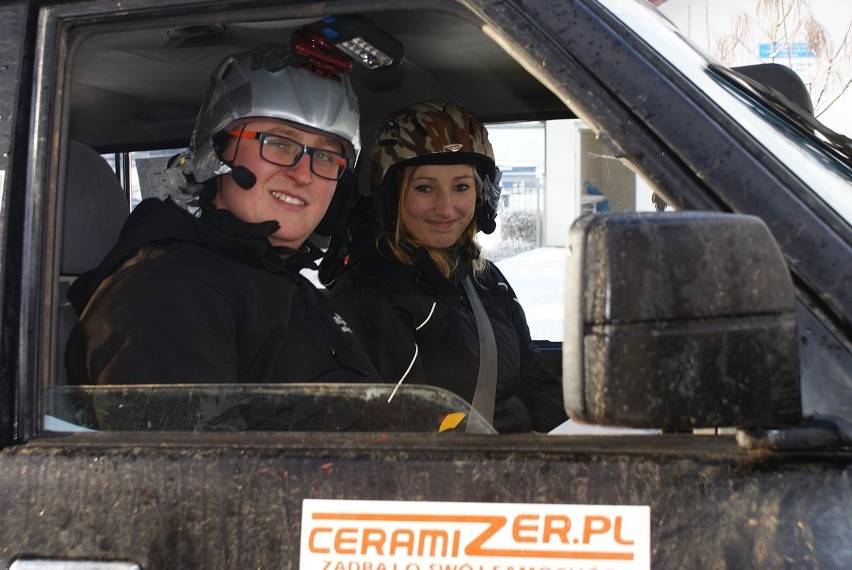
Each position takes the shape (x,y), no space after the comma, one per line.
(216,295)
(423,303)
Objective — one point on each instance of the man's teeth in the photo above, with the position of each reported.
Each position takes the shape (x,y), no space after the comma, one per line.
(287,199)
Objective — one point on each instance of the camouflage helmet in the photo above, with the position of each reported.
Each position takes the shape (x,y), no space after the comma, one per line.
(432,132)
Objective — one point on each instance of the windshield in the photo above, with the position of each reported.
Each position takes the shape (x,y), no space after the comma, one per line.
(808,164)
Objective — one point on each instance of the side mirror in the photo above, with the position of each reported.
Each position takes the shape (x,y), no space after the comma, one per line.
(679,321)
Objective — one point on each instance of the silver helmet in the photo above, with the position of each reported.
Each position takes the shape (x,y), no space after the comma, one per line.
(271,82)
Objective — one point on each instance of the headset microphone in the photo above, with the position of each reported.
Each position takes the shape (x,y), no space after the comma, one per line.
(244,177)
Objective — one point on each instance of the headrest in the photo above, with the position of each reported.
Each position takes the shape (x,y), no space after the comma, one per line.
(95,209)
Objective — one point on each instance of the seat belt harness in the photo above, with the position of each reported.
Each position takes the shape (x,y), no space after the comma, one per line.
(486,382)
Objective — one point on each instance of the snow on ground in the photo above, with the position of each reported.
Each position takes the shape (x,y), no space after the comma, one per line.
(538,278)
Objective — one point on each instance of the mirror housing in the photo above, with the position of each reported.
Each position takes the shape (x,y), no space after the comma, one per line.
(679,321)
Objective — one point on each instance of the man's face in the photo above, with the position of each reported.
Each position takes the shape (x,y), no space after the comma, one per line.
(293,196)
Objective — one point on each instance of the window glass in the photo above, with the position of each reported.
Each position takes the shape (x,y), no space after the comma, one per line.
(552,172)
(147,173)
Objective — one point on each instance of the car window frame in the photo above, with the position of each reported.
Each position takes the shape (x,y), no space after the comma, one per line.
(636,143)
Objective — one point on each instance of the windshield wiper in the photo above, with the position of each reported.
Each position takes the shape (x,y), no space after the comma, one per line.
(787,101)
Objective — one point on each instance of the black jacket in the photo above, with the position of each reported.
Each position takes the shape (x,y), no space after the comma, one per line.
(183,299)
(396,310)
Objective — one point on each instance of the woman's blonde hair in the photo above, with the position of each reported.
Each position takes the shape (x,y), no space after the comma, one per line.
(443,259)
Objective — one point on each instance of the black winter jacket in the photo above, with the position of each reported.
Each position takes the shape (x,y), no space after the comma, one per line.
(183,299)
(398,311)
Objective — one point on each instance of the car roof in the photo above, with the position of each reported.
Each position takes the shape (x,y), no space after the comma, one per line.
(136,88)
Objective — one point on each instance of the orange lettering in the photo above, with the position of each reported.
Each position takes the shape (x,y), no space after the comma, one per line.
(341,540)
(374,537)
(435,539)
(556,525)
(518,527)
(618,538)
(589,528)
(403,539)
(312,538)
(495,523)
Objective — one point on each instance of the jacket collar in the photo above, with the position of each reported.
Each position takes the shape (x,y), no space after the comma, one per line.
(163,221)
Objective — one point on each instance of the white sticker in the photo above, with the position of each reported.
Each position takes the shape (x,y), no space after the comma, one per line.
(413,535)
(2,186)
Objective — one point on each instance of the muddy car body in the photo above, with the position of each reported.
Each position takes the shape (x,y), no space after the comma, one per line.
(755,475)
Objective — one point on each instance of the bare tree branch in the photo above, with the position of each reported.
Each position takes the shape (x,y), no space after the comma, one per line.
(786,24)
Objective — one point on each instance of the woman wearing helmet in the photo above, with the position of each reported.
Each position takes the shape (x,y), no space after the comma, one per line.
(215,295)
(422,302)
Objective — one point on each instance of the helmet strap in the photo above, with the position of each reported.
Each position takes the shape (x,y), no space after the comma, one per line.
(342,201)
(487,201)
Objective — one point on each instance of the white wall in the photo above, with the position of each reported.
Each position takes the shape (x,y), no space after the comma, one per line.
(707,22)
(562,183)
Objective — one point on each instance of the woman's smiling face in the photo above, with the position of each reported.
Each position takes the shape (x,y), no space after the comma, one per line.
(440,200)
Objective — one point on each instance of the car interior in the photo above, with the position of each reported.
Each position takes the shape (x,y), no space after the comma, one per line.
(139,89)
